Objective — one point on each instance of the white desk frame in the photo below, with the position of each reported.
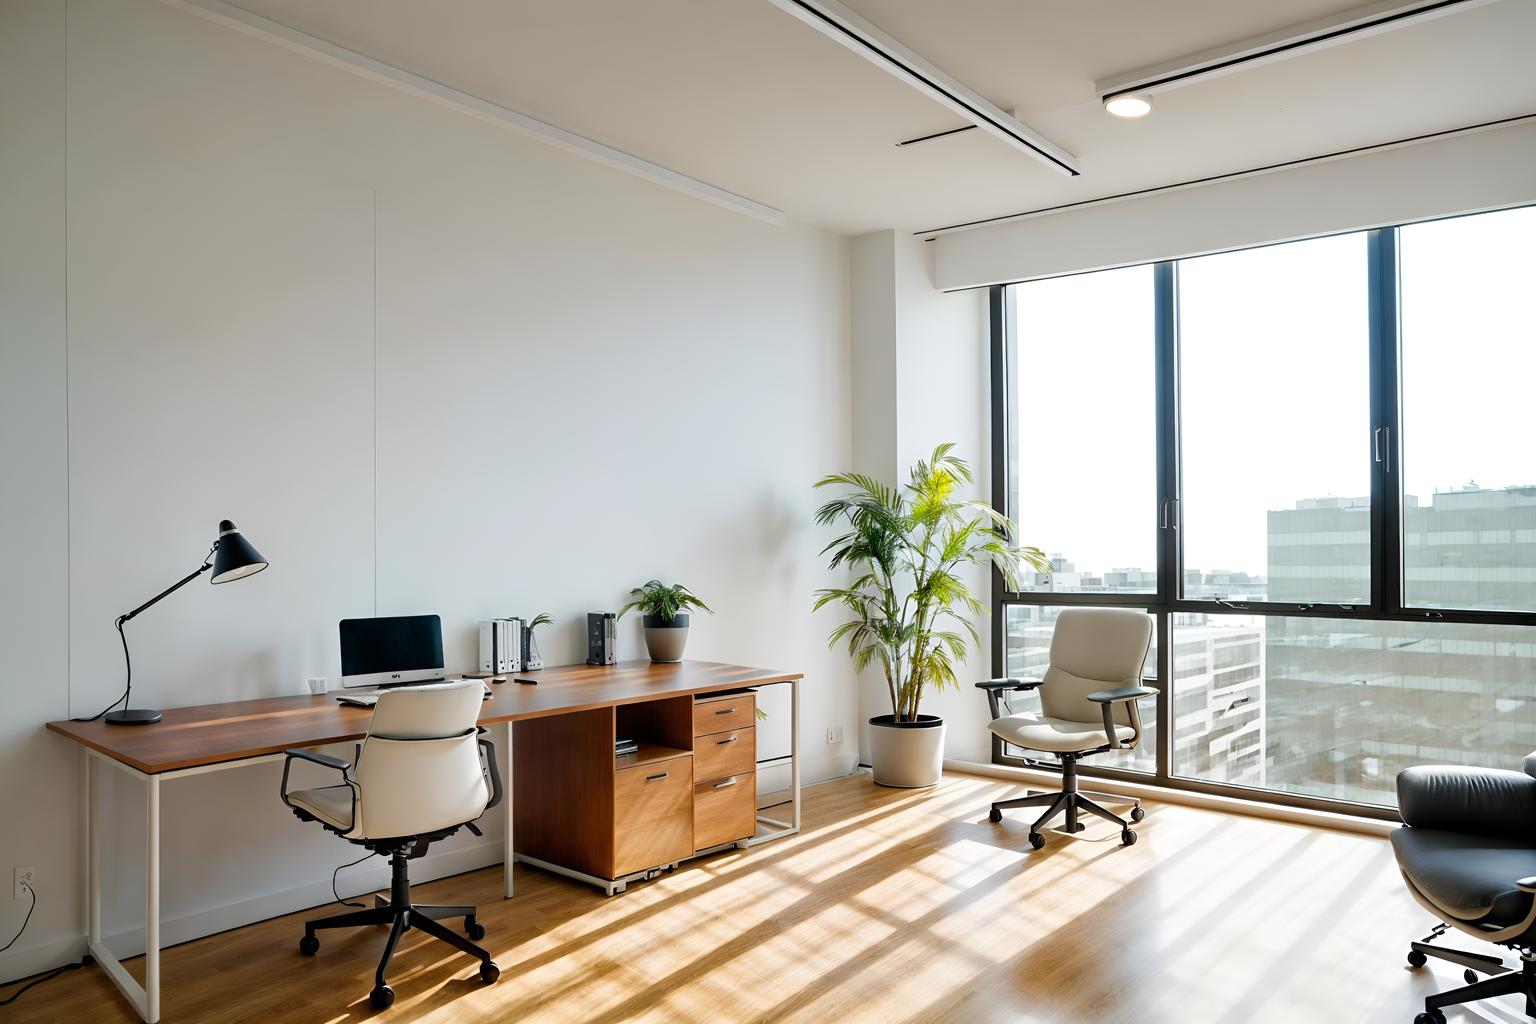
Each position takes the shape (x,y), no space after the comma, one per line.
(146,998)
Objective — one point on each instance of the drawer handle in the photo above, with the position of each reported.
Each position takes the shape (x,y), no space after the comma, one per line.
(728,739)
(727,782)
(726,711)
(657,777)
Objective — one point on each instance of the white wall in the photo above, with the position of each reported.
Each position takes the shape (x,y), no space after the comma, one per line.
(923,357)
(427,365)
(1461,174)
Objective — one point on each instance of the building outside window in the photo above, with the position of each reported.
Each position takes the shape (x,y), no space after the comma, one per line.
(1313,464)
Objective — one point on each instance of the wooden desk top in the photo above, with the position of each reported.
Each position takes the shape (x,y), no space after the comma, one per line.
(215,733)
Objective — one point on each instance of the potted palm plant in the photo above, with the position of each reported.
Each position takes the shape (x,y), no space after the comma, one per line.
(910,611)
(666,617)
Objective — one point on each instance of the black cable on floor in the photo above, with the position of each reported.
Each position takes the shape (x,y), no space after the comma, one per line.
(8,1000)
(35,981)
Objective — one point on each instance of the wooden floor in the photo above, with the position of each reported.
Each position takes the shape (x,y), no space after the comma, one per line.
(891,906)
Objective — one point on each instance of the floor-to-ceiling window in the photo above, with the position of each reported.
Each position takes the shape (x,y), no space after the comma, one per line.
(1314,464)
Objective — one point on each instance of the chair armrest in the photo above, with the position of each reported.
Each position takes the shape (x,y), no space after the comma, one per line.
(1123,693)
(996,688)
(1526,884)
(490,761)
(1475,801)
(321,759)
(1128,695)
(324,761)
(999,685)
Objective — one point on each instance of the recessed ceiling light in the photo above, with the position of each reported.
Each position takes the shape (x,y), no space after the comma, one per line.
(1128,105)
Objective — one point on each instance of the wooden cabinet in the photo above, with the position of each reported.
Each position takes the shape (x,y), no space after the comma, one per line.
(714,714)
(723,754)
(725,765)
(652,814)
(690,786)
(724,810)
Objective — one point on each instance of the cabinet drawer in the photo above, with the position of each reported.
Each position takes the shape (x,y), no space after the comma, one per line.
(724,811)
(725,713)
(652,815)
(723,754)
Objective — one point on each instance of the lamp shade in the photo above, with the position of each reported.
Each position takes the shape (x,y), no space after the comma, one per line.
(234,556)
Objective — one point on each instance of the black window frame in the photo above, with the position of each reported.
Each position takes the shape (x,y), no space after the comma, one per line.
(1382,446)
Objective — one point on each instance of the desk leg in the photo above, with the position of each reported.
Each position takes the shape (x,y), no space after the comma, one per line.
(152,899)
(92,852)
(508,857)
(794,748)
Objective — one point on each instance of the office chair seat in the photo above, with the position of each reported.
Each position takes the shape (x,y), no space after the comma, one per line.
(1055,735)
(1470,877)
(331,804)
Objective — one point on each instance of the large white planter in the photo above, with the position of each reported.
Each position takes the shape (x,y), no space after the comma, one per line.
(909,755)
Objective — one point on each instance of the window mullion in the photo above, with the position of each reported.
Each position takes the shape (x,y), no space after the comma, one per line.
(1169,556)
(1385,442)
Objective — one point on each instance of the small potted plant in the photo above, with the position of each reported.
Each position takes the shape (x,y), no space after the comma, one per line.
(666,617)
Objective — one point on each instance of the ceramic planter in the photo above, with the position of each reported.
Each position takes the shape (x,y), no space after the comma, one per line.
(665,640)
(908,755)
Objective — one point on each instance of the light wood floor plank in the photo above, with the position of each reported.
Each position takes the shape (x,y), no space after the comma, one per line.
(892,906)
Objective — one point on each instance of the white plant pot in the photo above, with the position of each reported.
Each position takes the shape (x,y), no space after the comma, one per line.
(908,756)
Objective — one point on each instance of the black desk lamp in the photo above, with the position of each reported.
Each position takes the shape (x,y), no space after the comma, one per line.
(231,558)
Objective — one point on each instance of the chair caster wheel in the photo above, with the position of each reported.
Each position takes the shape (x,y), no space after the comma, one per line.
(1417,959)
(309,945)
(1469,976)
(489,972)
(1036,840)
(994,815)
(1137,813)
(474,929)
(381,997)
(1128,837)
(1430,1017)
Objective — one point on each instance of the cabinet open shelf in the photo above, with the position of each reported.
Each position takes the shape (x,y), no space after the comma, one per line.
(647,754)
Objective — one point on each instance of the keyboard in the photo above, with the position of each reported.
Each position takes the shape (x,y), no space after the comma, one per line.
(368,700)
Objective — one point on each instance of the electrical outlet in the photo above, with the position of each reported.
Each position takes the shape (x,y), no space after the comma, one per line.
(835,734)
(25,878)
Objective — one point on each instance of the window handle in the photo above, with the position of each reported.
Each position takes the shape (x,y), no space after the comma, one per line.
(1382,440)
(1168,514)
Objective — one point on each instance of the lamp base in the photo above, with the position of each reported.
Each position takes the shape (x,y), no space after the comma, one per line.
(137,716)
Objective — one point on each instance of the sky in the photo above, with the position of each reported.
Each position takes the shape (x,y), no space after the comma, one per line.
(1274,380)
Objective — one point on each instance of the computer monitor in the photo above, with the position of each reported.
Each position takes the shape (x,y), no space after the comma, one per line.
(391,650)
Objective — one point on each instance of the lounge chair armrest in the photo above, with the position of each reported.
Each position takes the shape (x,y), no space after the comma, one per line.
(1526,884)
(1123,693)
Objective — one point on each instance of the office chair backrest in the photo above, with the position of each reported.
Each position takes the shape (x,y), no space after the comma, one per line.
(419,769)
(1094,649)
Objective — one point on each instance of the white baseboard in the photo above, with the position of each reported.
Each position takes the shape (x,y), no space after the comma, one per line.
(1166,795)
(366,877)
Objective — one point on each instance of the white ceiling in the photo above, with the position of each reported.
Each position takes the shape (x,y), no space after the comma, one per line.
(745,97)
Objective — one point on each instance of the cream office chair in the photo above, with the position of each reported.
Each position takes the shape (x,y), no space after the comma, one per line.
(1087,706)
(419,778)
